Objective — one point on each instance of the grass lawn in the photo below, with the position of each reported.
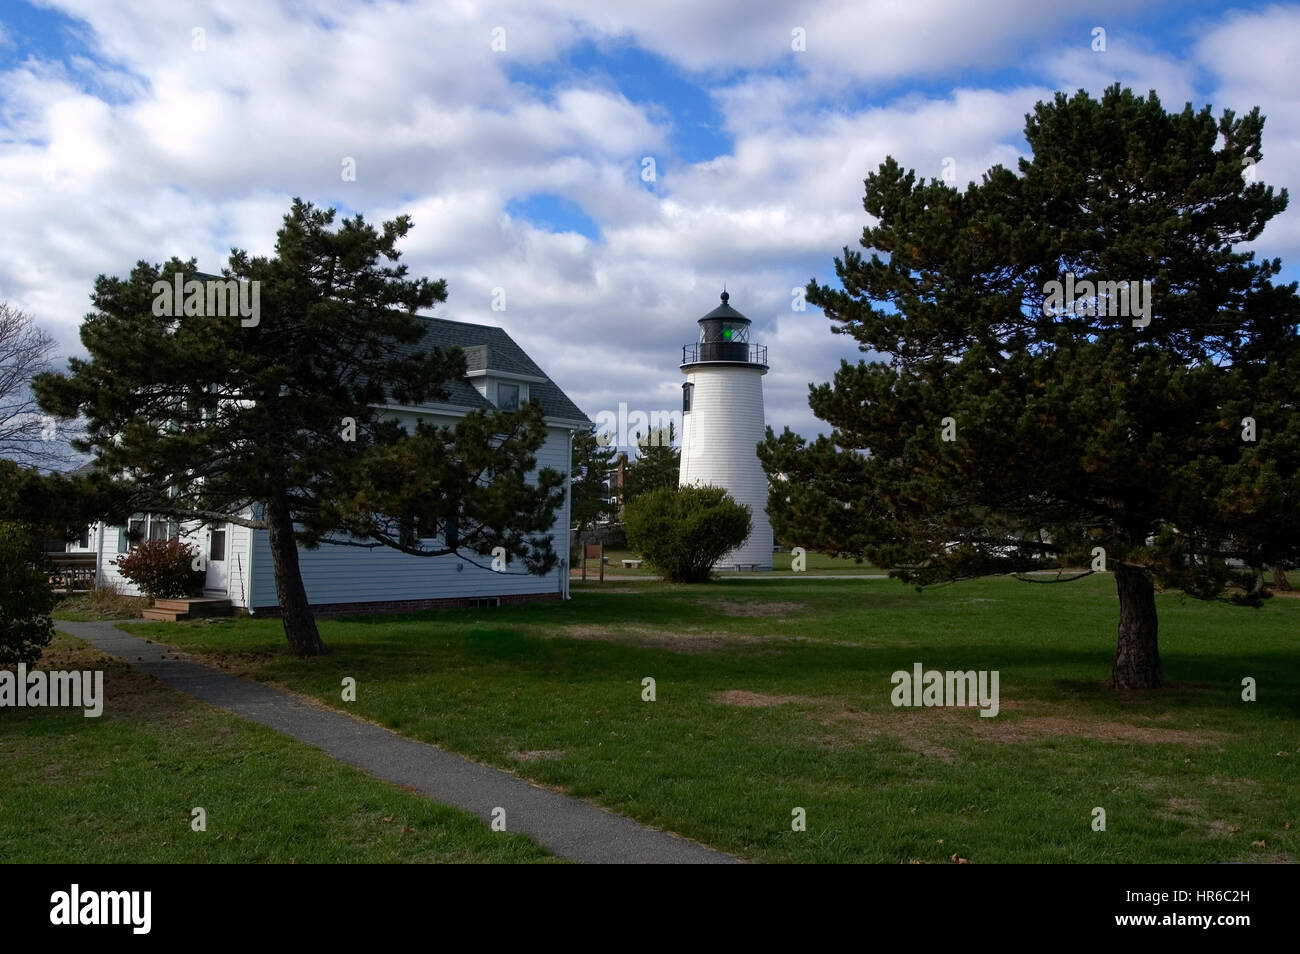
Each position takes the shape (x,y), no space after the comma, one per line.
(121,787)
(776,695)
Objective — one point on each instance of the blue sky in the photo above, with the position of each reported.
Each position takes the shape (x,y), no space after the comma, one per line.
(154,129)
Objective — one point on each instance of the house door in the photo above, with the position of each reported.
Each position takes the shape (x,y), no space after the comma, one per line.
(217,581)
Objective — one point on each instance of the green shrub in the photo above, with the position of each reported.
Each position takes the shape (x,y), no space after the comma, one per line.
(25,596)
(162,569)
(683,531)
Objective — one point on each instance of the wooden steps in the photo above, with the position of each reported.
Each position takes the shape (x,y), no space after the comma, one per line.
(171,611)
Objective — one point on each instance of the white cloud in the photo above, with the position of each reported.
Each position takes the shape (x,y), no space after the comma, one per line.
(1254,57)
(150,149)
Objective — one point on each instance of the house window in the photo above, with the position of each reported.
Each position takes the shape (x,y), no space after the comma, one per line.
(217,545)
(136,529)
(143,527)
(688,391)
(508,397)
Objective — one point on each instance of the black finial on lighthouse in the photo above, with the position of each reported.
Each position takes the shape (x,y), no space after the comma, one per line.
(725,296)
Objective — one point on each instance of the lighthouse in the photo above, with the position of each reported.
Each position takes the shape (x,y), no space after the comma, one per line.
(722,423)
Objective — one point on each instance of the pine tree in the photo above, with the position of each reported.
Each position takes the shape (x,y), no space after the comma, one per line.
(589,487)
(272,420)
(658,464)
(999,427)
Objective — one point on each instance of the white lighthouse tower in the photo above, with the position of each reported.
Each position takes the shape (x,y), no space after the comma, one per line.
(722,422)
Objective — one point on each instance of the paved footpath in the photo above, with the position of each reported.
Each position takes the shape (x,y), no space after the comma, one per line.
(566,826)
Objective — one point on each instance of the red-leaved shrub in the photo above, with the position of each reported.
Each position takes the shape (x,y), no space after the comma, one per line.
(162,569)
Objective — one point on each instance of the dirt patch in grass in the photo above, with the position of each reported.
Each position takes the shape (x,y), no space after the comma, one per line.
(754,609)
(1179,809)
(128,693)
(57,773)
(1033,728)
(927,730)
(1151,696)
(691,641)
(1043,718)
(684,642)
(844,721)
(758,700)
(535,755)
(909,733)
(1190,811)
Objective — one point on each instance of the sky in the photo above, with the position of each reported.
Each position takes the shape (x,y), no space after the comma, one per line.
(585,174)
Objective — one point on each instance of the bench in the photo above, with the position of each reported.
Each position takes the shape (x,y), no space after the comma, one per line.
(631,564)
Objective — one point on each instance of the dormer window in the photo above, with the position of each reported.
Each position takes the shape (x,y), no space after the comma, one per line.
(508,396)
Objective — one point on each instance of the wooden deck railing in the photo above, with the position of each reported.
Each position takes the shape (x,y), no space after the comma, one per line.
(71,572)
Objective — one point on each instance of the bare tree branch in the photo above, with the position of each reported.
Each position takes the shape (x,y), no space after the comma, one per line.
(26,435)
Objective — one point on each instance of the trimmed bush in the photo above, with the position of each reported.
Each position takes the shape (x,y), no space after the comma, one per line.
(162,569)
(683,531)
(25,596)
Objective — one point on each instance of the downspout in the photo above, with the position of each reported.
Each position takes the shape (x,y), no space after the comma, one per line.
(252,545)
(568,518)
(99,549)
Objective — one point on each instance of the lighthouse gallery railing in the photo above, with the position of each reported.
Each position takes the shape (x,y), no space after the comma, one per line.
(724,351)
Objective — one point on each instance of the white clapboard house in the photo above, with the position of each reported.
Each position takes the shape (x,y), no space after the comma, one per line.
(344,579)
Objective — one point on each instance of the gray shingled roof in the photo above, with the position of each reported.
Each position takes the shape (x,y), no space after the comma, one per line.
(490,348)
(487,348)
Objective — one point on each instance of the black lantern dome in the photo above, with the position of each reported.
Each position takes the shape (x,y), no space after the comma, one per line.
(724,339)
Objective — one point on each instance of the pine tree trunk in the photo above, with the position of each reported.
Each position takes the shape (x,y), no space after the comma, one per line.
(1137,657)
(1280,582)
(295,614)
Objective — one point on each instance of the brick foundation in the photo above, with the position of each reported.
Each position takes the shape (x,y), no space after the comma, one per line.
(409,606)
